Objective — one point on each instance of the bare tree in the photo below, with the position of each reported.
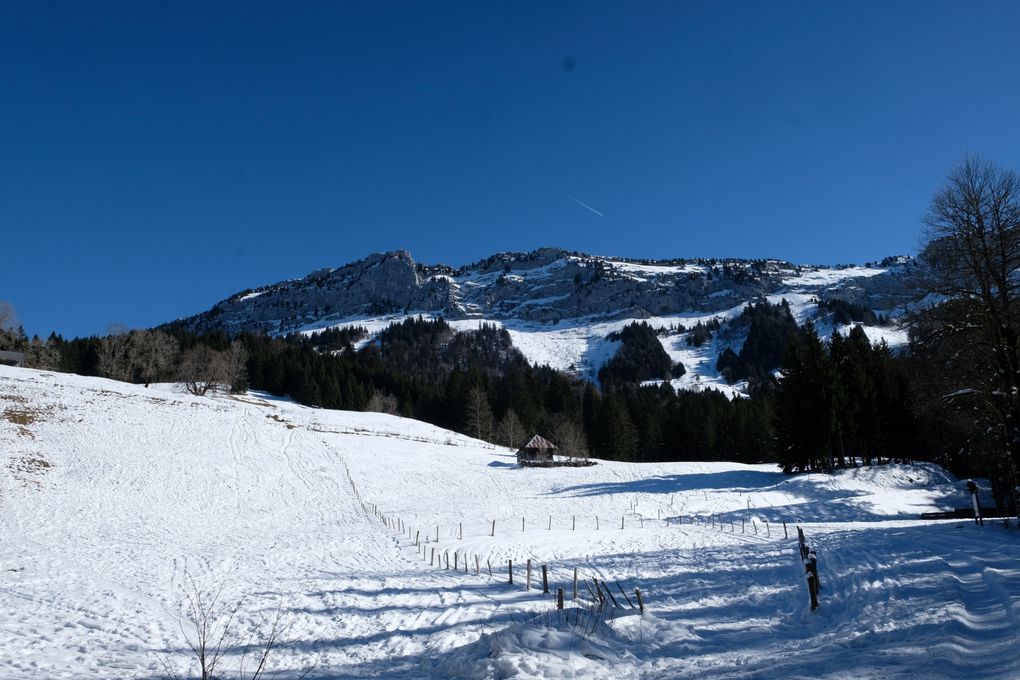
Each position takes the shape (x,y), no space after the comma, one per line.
(569,438)
(972,272)
(150,355)
(237,367)
(478,414)
(42,354)
(203,369)
(113,355)
(511,429)
(8,316)
(382,402)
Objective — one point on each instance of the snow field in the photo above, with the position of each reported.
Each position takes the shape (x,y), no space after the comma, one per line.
(140,492)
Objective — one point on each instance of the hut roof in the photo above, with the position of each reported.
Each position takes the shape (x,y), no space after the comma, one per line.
(538,442)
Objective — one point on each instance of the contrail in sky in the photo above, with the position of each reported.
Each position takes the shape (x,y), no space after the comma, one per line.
(583,204)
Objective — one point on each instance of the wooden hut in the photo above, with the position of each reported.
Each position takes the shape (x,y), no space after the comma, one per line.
(538,451)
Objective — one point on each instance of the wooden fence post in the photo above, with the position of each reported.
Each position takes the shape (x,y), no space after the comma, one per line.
(755,525)
(559,598)
(489,563)
(477,566)
(573,522)
(768,532)
(432,561)
(575,583)
(785,533)
(610,594)
(456,556)
(437,533)
(461,533)
(640,602)
(624,595)
(596,522)
(510,568)
(527,584)
(416,535)
(545,580)
(550,523)
(811,566)
(522,524)
(621,522)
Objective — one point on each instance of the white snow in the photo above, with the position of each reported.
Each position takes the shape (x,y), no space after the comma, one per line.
(115,497)
(821,276)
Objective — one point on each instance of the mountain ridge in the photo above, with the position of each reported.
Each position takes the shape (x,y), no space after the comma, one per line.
(546,285)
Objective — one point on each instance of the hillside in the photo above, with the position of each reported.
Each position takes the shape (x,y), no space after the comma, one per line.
(117,500)
(560,307)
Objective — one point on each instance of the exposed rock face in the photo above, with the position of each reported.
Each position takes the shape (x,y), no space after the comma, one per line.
(546,285)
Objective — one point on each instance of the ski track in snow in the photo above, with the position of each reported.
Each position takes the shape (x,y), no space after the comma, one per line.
(145,490)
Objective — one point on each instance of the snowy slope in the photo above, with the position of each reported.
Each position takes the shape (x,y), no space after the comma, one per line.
(115,497)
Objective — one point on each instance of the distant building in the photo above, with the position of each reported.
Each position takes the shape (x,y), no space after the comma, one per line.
(12,358)
(538,451)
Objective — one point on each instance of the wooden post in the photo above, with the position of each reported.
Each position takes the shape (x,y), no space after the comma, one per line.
(640,602)
(621,522)
(510,568)
(522,524)
(465,563)
(811,565)
(575,583)
(432,561)
(785,533)
(545,580)
(755,525)
(477,566)
(527,584)
(461,533)
(610,594)
(416,535)
(456,556)
(550,523)
(573,522)
(559,598)
(437,533)
(446,555)
(596,522)
(489,562)
(768,532)
(493,533)
(624,595)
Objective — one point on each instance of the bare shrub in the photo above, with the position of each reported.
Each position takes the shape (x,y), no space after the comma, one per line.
(203,369)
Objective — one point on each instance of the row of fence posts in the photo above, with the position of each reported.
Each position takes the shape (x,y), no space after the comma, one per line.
(600,594)
(712,520)
(600,590)
(810,560)
(716,522)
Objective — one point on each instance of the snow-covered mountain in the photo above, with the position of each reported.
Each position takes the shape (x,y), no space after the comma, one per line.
(560,306)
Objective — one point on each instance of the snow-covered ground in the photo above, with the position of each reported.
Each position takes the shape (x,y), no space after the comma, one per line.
(117,501)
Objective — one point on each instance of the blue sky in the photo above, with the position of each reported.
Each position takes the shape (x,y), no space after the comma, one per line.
(157,157)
